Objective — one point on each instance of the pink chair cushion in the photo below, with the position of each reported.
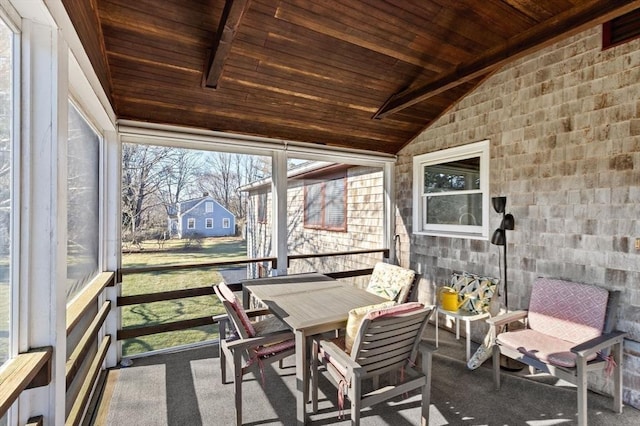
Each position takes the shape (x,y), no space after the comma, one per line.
(566,310)
(394,310)
(226,292)
(270,350)
(538,345)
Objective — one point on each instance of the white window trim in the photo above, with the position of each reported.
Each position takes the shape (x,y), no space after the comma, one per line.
(191,221)
(480,149)
(226,223)
(208,206)
(208,223)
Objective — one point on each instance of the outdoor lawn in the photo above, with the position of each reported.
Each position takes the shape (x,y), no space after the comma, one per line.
(174,252)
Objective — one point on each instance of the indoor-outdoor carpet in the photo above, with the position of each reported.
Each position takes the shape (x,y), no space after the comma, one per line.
(184,388)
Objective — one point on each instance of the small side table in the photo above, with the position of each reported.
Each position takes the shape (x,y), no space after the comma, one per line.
(465,316)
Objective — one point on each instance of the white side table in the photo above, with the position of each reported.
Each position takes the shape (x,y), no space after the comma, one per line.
(465,316)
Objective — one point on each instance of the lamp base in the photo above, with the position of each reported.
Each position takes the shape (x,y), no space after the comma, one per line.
(510,364)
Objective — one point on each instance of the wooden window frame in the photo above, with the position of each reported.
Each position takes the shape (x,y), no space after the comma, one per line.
(226,223)
(421,226)
(207,221)
(189,221)
(614,32)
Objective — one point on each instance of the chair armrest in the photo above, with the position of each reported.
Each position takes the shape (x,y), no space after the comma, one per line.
(597,343)
(340,355)
(220,318)
(267,339)
(252,313)
(507,318)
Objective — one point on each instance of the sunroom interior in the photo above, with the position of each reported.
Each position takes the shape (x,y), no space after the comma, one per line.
(362,98)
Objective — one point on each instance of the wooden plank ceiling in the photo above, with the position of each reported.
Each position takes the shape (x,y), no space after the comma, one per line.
(365,74)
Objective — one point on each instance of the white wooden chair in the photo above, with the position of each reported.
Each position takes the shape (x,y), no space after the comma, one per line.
(249,343)
(568,334)
(388,340)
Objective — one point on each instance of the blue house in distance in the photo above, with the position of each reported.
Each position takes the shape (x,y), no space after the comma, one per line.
(203,217)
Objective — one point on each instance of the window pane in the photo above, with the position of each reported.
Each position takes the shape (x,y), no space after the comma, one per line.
(6,171)
(455,209)
(459,175)
(334,204)
(166,222)
(313,205)
(83,189)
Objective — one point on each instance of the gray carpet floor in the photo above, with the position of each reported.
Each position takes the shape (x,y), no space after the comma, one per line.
(184,388)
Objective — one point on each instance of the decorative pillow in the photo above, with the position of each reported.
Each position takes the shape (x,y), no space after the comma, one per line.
(390,281)
(355,319)
(237,307)
(474,290)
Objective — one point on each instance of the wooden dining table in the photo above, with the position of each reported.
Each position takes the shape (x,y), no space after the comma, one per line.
(310,304)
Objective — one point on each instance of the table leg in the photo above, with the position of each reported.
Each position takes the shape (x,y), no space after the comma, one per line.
(302,377)
(467,325)
(437,329)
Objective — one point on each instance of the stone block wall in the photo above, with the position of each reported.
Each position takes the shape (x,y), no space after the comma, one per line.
(564,126)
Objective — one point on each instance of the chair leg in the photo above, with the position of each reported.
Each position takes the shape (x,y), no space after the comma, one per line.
(314,376)
(356,394)
(617,378)
(496,367)
(426,389)
(222,334)
(237,382)
(581,382)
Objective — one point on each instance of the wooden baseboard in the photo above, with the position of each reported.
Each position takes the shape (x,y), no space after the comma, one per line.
(99,406)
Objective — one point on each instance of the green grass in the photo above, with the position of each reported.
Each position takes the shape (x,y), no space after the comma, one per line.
(212,249)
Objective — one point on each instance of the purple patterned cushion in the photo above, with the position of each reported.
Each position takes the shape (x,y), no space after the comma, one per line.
(567,310)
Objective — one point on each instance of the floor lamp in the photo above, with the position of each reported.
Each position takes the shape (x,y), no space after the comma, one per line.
(499,237)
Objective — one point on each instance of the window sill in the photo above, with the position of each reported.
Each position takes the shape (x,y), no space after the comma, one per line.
(462,235)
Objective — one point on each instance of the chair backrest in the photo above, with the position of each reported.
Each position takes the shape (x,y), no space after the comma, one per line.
(235,311)
(567,310)
(388,338)
(391,282)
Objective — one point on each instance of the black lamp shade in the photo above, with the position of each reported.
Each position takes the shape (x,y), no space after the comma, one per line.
(508,222)
(499,204)
(498,237)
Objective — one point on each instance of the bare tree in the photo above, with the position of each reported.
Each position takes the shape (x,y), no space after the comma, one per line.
(225,173)
(141,181)
(179,175)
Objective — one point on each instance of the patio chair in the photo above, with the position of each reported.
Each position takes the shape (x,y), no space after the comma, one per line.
(249,343)
(391,282)
(568,333)
(388,340)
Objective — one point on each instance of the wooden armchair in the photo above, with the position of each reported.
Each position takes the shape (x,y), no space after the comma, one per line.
(391,282)
(248,343)
(568,333)
(388,340)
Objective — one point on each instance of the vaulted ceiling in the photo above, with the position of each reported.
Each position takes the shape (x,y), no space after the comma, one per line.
(365,74)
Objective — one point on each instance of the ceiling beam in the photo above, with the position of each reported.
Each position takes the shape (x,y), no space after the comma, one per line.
(232,14)
(569,23)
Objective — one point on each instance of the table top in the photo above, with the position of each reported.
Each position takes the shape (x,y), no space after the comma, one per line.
(311,306)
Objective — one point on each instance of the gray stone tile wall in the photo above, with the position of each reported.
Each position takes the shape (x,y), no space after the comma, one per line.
(564,126)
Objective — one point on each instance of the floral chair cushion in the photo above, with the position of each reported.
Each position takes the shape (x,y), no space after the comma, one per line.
(391,282)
